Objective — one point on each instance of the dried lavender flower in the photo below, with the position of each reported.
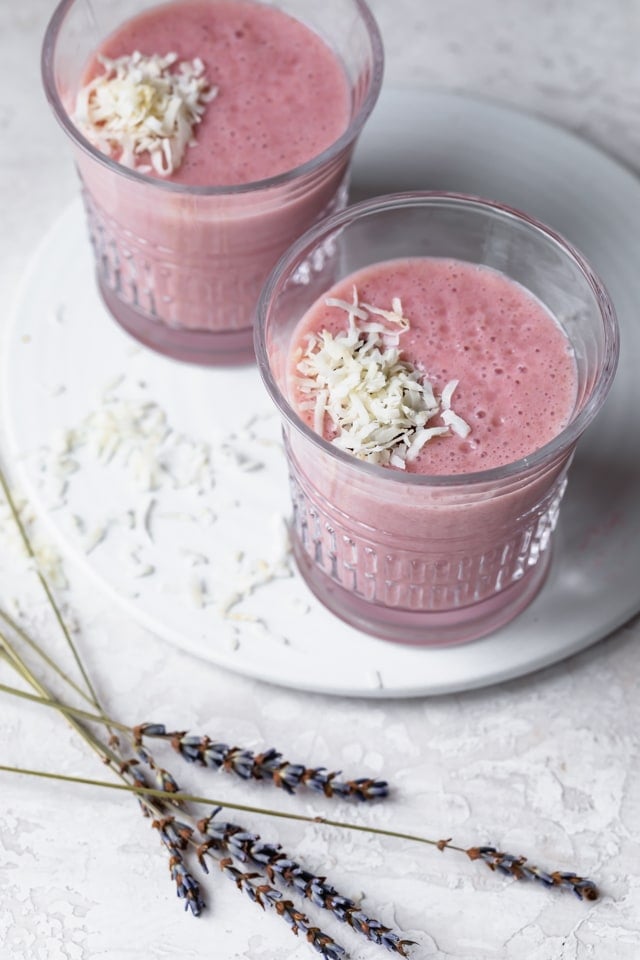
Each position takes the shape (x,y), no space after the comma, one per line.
(265,895)
(244,846)
(164,780)
(176,837)
(518,867)
(130,767)
(269,765)
(187,887)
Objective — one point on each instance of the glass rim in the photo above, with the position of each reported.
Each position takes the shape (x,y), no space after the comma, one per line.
(282,179)
(559,445)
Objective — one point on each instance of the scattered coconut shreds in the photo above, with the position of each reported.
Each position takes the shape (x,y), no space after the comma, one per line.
(138,434)
(96,536)
(379,404)
(249,578)
(143,110)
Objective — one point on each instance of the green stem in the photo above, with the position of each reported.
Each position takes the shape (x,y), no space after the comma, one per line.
(46,699)
(105,752)
(20,632)
(15,513)
(245,808)
(62,707)
(96,744)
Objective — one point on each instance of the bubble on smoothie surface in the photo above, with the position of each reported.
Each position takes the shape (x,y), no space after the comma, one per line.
(379,406)
(142,110)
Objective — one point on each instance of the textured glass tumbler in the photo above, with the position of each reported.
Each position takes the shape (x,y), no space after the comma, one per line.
(407,557)
(181,267)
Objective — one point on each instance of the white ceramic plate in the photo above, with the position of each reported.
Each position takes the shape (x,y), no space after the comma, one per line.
(173,557)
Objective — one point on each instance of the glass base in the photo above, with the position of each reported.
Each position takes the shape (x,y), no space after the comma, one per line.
(437,628)
(204,347)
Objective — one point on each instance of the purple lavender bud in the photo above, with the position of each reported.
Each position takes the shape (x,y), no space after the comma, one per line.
(149,730)
(215,753)
(187,888)
(190,748)
(242,762)
(583,889)
(165,781)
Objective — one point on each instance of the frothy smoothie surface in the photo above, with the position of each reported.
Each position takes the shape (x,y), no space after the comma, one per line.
(487,357)
(282,94)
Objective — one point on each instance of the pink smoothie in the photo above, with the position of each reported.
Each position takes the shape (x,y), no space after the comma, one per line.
(514,364)
(176,266)
(389,537)
(282,99)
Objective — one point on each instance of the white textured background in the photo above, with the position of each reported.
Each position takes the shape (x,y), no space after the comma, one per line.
(546,766)
(574,61)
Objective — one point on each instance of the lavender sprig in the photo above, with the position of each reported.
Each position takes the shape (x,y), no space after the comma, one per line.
(269,765)
(518,868)
(176,837)
(265,895)
(244,846)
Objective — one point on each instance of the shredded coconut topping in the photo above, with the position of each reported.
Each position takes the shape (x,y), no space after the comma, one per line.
(380,405)
(142,111)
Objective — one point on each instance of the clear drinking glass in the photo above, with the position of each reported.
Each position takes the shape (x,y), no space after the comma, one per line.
(413,558)
(181,267)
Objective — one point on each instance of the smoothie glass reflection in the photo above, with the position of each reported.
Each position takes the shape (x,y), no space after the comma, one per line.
(406,556)
(181,267)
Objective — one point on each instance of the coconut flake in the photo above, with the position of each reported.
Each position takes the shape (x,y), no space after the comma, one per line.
(395,315)
(457,424)
(379,406)
(144,109)
(447,394)
(449,417)
(422,437)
